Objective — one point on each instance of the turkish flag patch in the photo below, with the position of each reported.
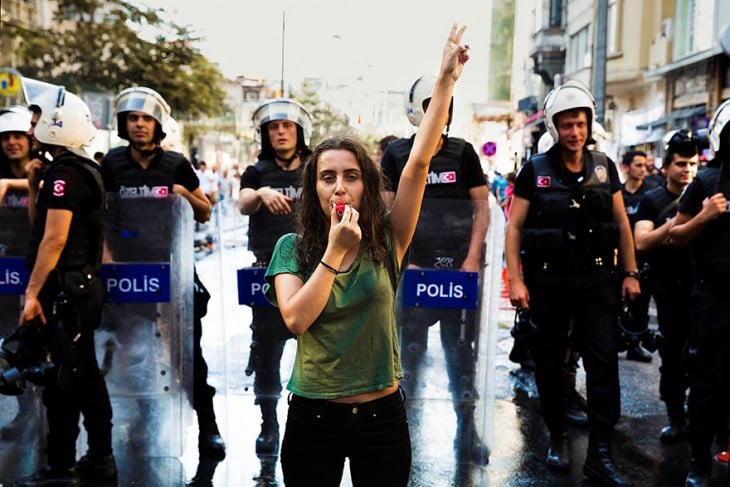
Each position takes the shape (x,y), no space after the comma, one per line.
(543,181)
(59,188)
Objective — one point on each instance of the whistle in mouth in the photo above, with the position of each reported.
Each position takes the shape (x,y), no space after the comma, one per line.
(339,209)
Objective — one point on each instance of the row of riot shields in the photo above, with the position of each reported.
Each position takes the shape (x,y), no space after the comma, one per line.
(447,321)
(144,342)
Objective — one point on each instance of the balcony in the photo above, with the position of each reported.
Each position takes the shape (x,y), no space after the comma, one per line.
(548,53)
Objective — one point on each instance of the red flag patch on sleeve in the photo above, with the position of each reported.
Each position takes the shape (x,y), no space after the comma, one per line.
(543,181)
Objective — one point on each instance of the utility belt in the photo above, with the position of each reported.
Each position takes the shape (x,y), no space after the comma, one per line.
(73,284)
(567,265)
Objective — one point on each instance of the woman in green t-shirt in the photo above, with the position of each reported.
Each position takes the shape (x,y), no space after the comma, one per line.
(334,283)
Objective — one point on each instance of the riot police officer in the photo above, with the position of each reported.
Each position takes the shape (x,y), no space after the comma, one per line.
(64,293)
(669,267)
(566,222)
(141,116)
(703,221)
(269,192)
(633,190)
(456,207)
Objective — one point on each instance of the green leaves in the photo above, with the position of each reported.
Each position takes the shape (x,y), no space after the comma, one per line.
(106,46)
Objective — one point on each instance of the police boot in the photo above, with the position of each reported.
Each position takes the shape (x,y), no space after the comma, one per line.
(267,443)
(50,477)
(637,353)
(699,474)
(558,456)
(467,444)
(204,473)
(674,431)
(600,467)
(210,441)
(94,468)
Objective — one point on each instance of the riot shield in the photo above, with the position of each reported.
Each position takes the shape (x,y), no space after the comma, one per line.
(22,424)
(446,322)
(145,341)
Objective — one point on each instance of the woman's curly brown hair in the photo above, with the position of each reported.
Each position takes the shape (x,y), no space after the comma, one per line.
(313,224)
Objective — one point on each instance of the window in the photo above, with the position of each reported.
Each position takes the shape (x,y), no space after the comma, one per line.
(684,28)
(556,13)
(613,25)
(579,49)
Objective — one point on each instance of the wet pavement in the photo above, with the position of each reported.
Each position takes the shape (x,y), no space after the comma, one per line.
(514,430)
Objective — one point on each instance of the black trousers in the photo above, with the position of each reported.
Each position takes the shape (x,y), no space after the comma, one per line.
(459,334)
(269,335)
(709,364)
(82,392)
(587,304)
(672,303)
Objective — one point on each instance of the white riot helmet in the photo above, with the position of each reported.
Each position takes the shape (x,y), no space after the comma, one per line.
(718,124)
(173,136)
(65,120)
(570,95)
(141,99)
(420,91)
(545,143)
(282,109)
(15,118)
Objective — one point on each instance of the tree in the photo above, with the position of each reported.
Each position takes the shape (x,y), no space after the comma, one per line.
(326,121)
(96,45)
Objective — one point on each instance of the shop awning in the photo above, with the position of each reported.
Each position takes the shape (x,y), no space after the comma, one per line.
(675,115)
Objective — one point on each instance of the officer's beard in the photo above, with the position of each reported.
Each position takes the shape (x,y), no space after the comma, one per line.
(147,150)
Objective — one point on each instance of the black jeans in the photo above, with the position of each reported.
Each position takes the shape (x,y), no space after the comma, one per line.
(321,434)
(589,303)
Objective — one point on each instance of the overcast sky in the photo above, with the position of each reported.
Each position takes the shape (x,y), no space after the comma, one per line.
(388,43)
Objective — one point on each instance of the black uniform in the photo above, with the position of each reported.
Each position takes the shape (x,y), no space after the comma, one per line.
(441,241)
(126,178)
(709,336)
(76,293)
(640,305)
(669,270)
(264,229)
(568,247)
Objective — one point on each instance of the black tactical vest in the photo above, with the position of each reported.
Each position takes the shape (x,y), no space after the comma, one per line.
(265,228)
(140,225)
(84,245)
(127,176)
(711,249)
(445,222)
(570,224)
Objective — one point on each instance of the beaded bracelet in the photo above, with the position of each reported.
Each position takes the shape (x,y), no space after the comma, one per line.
(329,267)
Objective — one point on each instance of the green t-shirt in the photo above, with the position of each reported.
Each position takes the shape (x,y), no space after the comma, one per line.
(352,347)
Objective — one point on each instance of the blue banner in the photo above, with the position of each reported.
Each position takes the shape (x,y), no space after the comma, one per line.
(137,283)
(251,287)
(428,288)
(13,276)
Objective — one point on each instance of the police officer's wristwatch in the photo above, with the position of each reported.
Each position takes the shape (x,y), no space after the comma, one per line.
(634,274)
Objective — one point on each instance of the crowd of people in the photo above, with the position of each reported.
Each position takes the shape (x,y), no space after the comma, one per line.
(335,229)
